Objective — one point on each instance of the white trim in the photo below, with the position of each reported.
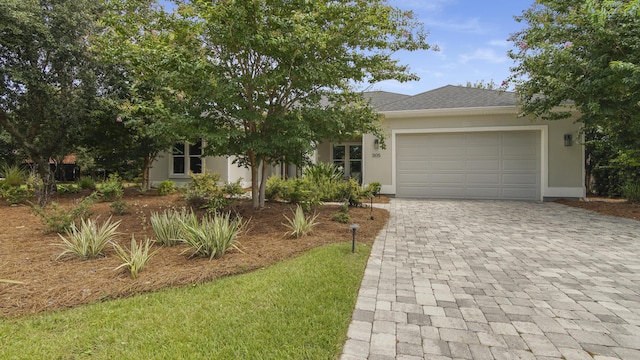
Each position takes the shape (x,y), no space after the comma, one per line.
(544,155)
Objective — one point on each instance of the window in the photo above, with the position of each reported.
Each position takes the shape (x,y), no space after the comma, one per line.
(349,158)
(187,156)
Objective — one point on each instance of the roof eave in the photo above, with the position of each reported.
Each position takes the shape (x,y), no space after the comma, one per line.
(484,110)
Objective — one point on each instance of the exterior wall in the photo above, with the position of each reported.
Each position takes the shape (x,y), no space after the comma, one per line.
(160,170)
(562,166)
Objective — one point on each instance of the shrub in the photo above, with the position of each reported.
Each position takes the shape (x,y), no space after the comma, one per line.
(168,226)
(119,207)
(276,188)
(134,259)
(17,194)
(341,217)
(14,175)
(166,187)
(205,192)
(86,182)
(300,225)
(112,189)
(373,189)
(351,192)
(58,220)
(88,241)
(631,191)
(67,189)
(320,172)
(213,236)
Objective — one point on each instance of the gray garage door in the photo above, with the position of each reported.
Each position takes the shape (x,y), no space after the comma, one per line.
(481,165)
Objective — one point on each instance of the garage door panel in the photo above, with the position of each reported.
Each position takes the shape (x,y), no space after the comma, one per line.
(484,164)
(474,165)
(520,165)
(483,178)
(444,178)
(446,165)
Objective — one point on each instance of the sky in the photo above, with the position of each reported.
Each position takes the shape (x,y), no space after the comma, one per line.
(472,37)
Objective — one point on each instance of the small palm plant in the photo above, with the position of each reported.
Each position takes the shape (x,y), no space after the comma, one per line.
(300,225)
(89,240)
(168,225)
(136,257)
(214,235)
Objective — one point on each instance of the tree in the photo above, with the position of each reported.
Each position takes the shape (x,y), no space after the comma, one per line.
(282,74)
(583,55)
(148,70)
(47,78)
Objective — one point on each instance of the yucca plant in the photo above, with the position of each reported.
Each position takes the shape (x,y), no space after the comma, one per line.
(300,225)
(213,236)
(136,257)
(168,225)
(89,240)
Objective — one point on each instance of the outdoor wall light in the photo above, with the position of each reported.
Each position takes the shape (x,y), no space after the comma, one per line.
(568,139)
(376,144)
(353,228)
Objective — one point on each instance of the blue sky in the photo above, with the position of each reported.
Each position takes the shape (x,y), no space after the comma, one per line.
(472,36)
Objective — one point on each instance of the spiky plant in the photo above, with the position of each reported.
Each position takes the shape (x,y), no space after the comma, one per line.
(89,240)
(300,225)
(168,225)
(136,257)
(214,235)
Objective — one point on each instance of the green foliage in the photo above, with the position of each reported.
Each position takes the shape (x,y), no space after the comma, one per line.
(86,182)
(300,225)
(373,189)
(276,188)
(264,114)
(205,192)
(48,91)
(323,172)
(119,207)
(89,240)
(67,189)
(168,225)
(166,187)
(341,217)
(57,219)
(112,189)
(631,191)
(16,194)
(213,236)
(14,175)
(583,55)
(134,259)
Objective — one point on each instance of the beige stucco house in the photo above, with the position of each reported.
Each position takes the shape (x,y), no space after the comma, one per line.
(452,142)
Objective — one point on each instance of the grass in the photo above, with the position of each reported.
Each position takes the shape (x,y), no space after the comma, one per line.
(297,309)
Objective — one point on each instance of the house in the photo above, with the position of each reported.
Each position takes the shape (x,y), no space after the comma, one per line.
(451,142)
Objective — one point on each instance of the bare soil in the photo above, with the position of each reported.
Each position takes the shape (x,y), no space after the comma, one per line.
(29,255)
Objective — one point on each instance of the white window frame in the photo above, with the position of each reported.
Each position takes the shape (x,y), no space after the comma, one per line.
(187,160)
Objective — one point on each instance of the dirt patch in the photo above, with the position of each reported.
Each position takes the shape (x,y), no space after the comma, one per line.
(613,207)
(29,255)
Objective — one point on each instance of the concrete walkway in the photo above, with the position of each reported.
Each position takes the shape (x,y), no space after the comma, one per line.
(499,280)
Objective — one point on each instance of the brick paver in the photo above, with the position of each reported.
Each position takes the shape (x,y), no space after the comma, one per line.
(485,280)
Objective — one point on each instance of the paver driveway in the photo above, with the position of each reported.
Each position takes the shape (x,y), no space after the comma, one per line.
(499,280)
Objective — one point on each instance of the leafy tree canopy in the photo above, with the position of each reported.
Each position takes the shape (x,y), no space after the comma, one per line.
(47,82)
(586,53)
(281,74)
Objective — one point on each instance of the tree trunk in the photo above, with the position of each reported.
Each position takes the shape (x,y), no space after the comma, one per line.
(146,168)
(263,182)
(47,185)
(255,195)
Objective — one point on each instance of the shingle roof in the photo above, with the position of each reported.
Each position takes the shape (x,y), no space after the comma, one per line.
(449,97)
(380,98)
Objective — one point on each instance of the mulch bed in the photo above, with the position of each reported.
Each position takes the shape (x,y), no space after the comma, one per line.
(29,255)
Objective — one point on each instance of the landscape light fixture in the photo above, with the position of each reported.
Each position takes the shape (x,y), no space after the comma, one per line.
(353,228)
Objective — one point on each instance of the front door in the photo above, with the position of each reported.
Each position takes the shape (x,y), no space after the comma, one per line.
(349,158)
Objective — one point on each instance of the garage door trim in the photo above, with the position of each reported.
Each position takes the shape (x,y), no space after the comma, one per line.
(543,146)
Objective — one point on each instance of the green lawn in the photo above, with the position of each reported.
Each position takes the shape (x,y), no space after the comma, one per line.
(297,309)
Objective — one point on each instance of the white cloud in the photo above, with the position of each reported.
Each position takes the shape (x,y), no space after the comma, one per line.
(487,55)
